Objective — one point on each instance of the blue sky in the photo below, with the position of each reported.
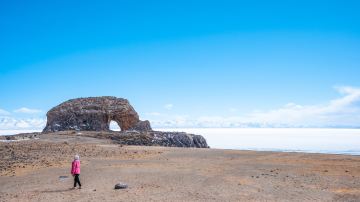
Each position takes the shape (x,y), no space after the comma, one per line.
(185,63)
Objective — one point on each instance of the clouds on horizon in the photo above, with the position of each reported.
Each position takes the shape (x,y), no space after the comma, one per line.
(11,123)
(22,119)
(26,110)
(341,112)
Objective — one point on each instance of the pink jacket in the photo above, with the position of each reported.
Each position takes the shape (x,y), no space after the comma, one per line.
(75,168)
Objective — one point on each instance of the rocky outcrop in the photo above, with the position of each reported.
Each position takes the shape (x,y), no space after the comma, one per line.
(94,114)
(160,138)
(142,126)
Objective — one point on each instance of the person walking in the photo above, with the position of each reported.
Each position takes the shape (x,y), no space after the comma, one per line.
(75,171)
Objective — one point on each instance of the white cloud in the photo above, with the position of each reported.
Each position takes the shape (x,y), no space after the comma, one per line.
(11,123)
(340,112)
(4,112)
(27,110)
(343,111)
(168,106)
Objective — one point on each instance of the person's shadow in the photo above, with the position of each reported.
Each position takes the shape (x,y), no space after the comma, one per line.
(57,191)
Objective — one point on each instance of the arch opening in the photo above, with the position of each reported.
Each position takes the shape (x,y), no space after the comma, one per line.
(114,126)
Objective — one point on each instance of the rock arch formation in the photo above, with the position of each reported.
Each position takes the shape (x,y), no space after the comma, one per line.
(94,114)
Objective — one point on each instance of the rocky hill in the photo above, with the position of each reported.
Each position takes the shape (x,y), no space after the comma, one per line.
(95,114)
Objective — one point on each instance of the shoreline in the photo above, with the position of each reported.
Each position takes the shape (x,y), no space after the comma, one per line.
(254,150)
(209,137)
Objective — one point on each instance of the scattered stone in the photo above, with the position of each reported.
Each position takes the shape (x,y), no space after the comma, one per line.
(121,186)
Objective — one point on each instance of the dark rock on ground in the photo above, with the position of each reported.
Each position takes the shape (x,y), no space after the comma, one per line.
(121,186)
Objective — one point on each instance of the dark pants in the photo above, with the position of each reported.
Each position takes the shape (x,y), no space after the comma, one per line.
(77,180)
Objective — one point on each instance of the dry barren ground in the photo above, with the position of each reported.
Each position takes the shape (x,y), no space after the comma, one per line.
(38,170)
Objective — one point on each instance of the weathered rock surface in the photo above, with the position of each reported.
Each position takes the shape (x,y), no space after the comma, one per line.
(93,114)
(142,126)
(160,138)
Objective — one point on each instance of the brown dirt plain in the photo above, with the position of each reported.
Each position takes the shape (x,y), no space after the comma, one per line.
(30,170)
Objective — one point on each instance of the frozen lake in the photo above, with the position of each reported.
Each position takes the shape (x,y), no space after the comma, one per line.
(335,141)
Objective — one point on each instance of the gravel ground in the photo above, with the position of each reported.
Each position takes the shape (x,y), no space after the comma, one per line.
(38,170)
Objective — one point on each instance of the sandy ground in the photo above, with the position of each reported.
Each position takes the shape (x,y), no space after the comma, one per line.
(30,171)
